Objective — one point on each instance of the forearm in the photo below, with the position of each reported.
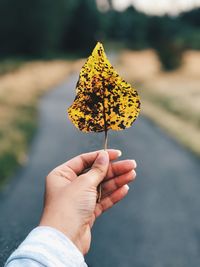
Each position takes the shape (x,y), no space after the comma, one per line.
(46,246)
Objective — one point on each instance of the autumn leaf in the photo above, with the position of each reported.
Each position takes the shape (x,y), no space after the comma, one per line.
(103,99)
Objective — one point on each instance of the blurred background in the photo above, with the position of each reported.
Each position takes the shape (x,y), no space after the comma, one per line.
(154,45)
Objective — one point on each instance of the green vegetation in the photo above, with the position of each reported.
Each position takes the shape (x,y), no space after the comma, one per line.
(47,27)
(9,65)
(18,115)
(24,124)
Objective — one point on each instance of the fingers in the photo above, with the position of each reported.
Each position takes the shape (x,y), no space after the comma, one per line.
(120,167)
(110,200)
(79,163)
(117,182)
(98,170)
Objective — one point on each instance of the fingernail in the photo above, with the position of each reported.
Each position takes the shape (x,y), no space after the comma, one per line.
(134,163)
(127,187)
(119,153)
(134,174)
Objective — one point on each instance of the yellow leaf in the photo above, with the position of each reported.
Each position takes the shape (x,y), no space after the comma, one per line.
(103,99)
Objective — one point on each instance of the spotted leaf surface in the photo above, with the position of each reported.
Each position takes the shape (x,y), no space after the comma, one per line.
(103,99)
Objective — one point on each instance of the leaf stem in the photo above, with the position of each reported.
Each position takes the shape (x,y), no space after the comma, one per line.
(106,140)
(105,124)
(105,147)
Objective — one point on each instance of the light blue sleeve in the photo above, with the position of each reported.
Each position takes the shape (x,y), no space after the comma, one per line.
(46,247)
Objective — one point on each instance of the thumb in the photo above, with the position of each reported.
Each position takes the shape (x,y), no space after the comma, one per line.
(99,169)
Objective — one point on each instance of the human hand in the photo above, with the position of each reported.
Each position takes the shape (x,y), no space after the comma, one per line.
(71,193)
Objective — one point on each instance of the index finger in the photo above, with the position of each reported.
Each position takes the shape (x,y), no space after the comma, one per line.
(79,163)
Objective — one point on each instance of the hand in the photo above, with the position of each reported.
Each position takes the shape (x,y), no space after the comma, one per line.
(71,193)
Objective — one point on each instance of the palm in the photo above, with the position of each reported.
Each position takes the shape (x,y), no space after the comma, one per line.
(119,173)
(70,173)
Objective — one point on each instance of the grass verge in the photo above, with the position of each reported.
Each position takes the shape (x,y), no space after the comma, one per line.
(20,90)
(170,99)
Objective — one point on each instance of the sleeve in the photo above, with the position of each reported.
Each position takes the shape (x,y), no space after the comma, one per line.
(46,247)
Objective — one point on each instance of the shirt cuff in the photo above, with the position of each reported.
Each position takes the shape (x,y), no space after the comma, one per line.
(50,248)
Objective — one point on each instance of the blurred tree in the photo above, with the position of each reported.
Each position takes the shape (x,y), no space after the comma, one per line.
(164,35)
(39,27)
(128,27)
(81,32)
(135,28)
(32,27)
(191,28)
(191,17)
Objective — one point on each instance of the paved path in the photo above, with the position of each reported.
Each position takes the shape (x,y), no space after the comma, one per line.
(157,225)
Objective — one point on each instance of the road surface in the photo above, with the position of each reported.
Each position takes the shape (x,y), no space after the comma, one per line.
(157,225)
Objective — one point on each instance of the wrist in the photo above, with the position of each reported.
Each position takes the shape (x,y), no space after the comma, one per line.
(70,231)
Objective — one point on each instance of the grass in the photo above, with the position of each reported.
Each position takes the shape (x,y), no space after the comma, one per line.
(21,85)
(9,65)
(172,99)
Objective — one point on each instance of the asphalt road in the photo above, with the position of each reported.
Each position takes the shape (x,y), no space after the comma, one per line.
(157,225)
